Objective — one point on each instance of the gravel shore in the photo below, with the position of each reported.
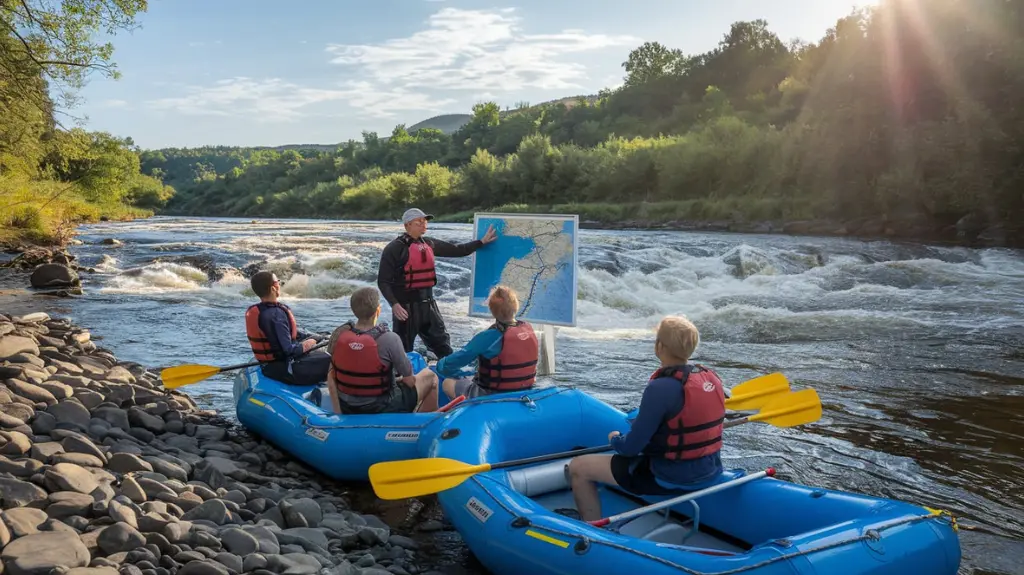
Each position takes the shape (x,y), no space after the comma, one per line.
(104,471)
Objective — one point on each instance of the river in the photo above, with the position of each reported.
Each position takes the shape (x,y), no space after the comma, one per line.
(916,351)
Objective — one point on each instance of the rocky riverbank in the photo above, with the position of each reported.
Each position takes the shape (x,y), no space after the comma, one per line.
(52,269)
(102,471)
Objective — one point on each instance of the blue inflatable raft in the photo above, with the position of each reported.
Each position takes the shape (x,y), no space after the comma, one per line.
(340,446)
(767,526)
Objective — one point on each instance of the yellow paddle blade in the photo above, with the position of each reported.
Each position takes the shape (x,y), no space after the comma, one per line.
(413,477)
(797,408)
(180,375)
(757,392)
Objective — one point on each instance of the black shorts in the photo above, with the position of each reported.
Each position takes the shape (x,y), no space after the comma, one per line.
(403,399)
(634,475)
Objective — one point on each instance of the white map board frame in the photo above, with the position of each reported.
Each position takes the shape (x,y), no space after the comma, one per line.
(546,365)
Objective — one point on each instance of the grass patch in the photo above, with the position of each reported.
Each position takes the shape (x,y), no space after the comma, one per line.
(46,212)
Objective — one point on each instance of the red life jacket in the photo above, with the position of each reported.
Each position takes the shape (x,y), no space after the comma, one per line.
(419,264)
(262,347)
(515,367)
(696,430)
(364,374)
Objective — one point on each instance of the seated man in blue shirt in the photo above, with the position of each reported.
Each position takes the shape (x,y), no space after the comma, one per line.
(676,438)
(275,338)
(506,353)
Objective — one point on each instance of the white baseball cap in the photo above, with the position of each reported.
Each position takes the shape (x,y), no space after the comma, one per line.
(413,213)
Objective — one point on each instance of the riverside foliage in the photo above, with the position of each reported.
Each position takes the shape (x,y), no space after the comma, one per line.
(904,112)
(53,176)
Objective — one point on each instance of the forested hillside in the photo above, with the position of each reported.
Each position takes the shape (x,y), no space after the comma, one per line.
(903,117)
(54,174)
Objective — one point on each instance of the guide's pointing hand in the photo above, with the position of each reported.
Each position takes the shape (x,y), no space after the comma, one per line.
(490,236)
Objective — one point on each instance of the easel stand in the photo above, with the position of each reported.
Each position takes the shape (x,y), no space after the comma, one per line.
(546,362)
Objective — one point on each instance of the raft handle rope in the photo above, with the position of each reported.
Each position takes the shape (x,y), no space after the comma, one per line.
(304,419)
(872,534)
(529,401)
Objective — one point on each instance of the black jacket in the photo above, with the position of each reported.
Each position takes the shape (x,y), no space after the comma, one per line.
(391,275)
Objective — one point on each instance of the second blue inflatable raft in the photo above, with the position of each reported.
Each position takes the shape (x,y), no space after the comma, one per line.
(520,519)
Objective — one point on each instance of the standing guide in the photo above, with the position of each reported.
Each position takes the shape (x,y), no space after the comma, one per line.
(406,277)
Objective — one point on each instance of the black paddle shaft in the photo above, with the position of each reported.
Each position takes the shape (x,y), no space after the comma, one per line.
(598,449)
(250,364)
(551,456)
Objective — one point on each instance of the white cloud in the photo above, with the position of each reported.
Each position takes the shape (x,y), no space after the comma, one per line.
(114,103)
(482,53)
(478,50)
(277,100)
(385,102)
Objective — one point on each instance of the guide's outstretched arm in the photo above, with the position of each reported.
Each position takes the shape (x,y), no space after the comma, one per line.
(443,249)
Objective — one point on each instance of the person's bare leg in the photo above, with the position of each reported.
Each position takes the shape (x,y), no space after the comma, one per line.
(332,389)
(584,471)
(426,390)
(448,385)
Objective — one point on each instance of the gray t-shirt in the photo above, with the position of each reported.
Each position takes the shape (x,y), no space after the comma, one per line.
(391,352)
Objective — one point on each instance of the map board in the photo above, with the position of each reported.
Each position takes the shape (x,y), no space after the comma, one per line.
(535,255)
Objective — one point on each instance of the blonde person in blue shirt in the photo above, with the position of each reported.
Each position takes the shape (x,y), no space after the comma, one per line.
(506,353)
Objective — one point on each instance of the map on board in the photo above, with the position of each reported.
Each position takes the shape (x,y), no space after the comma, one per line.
(536,256)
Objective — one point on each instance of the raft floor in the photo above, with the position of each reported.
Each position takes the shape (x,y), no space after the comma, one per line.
(650,526)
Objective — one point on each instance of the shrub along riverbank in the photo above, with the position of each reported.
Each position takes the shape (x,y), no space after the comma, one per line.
(869,131)
(53,177)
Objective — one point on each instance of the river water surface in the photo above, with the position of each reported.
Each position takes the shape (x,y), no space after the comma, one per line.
(917,352)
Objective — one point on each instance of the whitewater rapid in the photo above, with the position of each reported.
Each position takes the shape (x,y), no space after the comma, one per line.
(915,350)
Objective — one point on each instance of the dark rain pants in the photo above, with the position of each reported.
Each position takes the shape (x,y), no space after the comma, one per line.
(425,321)
(309,369)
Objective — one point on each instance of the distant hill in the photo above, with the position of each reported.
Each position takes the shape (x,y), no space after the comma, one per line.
(570,101)
(447,123)
(317,147)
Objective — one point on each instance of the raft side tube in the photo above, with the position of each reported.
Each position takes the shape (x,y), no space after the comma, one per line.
(767,527)
(340,446)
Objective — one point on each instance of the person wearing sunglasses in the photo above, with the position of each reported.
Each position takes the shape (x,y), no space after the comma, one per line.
(276,338)
(406,277)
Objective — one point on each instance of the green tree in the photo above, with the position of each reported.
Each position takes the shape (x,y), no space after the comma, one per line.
(878,127)
(58,39)
(651,61)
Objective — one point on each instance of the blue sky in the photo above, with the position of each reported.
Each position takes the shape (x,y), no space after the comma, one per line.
(251,72)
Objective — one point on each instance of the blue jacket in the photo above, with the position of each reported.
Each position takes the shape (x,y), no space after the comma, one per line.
(662,399)
(486,343)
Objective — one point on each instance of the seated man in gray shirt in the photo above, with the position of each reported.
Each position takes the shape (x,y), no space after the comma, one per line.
(365,358)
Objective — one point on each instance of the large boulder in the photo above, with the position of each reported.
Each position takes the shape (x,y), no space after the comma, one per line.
(54,276)
(42,553)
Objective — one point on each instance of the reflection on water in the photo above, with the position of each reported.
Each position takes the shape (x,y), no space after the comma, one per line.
(916,351)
